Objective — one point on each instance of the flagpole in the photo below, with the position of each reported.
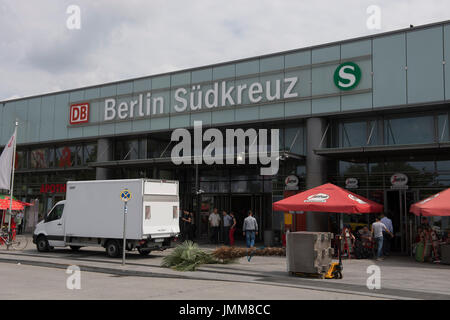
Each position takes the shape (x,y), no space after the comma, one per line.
(12,178)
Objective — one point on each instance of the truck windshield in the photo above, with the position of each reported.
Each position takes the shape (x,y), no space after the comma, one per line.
(56,213)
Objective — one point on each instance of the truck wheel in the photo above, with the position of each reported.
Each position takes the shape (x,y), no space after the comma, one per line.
(113,249)
(144,252)
(42,244)
(75,248)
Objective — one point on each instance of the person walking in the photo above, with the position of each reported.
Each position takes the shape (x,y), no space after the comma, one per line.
(386,236)
(377,231)
(250,229)
(227,223)
(214,223)
(186,218)
(19,222)
(232,229)
(192,226)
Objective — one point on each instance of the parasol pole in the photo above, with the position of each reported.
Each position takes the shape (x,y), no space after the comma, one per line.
(12,177)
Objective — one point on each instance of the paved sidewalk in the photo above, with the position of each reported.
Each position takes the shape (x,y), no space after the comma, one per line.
(401,277)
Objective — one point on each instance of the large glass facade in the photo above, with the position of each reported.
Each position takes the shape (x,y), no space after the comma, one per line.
(292,138)
(409,130)
(390,130)
(426,175)
(69,156)
(357,133)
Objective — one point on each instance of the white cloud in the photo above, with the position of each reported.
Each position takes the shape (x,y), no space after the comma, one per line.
(126,39)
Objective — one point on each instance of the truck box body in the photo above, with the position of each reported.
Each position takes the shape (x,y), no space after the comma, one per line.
(95,209)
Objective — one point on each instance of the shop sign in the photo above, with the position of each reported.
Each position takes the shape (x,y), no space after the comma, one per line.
(351,183)
(53,188)
(399,181)
(347,76)
(319,197)
(291,182)
(79,113)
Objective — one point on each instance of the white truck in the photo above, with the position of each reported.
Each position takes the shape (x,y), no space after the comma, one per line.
(92,215)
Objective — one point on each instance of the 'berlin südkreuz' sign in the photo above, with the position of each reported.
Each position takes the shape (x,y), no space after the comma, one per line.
(197,99)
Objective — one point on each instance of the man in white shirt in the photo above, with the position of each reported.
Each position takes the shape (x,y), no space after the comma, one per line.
(214,223)
(377,231)
(250,229)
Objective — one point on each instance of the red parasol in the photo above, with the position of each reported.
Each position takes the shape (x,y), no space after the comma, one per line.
(328,198)
(17,205)
(436,205)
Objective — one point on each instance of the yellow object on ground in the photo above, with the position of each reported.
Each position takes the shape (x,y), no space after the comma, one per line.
(335,271)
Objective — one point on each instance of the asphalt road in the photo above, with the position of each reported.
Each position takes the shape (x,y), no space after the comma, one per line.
(31,282)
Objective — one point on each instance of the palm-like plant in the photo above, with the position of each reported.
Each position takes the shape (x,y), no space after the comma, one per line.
(187,257)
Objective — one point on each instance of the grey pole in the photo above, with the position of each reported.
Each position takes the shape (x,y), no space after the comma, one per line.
(197,203)
(104,153)
(124,232)
(315,169)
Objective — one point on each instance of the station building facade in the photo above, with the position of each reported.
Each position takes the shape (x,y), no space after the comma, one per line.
(370,114)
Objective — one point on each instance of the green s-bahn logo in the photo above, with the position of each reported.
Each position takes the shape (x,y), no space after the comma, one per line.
(347,76)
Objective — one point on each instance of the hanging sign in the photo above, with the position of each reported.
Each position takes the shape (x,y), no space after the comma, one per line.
(351,183)
(399,181)
(291,182)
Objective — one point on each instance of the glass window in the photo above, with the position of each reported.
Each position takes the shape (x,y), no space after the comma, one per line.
(409,130)
(293,138)
(156,147)
(443,165)
(393,166)
(424,166)
(147,213)
(143,148)
(51,157)
(443,127)
(39,159)
(376,167)
(89,153)
(350,168)
(21,160)
(175,212)
(353,134)
(126,150)
(64,157)
(214,175)
(56,213)
(77,155)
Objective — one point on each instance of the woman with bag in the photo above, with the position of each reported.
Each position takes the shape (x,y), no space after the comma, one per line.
(232,230)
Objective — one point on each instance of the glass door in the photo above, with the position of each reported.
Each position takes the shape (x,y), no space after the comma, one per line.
(409,197)
(206,207)
(397,206)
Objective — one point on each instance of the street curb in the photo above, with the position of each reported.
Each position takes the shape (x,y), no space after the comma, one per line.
(125,272)
(147,274)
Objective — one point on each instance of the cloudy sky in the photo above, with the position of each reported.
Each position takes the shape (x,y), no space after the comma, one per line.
(126,39)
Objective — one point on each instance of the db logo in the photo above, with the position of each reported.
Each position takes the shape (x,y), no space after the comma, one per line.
(79,113)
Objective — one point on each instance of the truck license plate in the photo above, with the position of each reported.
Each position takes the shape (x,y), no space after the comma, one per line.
(159,240)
